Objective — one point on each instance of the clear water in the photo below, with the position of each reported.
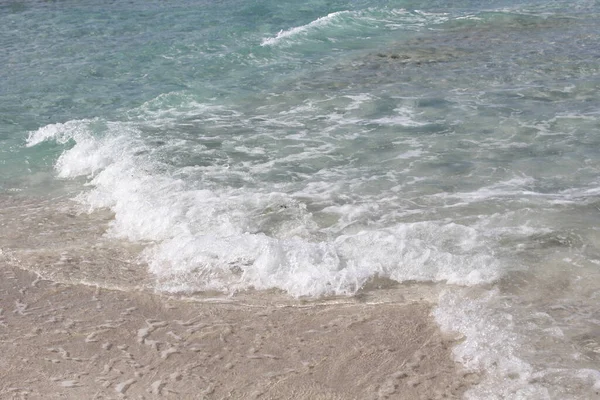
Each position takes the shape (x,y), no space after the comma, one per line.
(318,148)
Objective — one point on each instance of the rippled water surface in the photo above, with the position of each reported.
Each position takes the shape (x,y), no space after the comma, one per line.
(320,149)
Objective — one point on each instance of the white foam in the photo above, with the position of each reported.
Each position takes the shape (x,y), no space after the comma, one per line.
(417,153)
(302,30)
(412,20)
(358,101)
(405,117)
(61,133)
(412,252)
(205,236)
(495,344)
(489,345)
(390,18)
(517,186)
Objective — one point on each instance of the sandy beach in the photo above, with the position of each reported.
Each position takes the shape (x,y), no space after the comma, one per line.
(62,335)
(80,342)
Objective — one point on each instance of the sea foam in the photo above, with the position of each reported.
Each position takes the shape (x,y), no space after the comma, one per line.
(361,22)
(497,338)
(302,30)
(202,236)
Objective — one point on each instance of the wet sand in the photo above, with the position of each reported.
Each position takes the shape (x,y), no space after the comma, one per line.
(73,341)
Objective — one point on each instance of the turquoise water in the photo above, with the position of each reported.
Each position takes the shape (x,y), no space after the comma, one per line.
(319,148)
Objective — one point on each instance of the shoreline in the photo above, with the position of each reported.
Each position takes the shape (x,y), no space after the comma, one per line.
(75,341)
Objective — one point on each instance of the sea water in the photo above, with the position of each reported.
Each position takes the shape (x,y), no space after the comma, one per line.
(321,148)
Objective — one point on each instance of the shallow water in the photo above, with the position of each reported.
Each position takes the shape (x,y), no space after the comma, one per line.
(319,150)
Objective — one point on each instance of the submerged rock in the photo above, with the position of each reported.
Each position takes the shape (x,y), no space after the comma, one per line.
(418,56)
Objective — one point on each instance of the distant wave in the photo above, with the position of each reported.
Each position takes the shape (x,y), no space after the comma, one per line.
(300,30)
(370,19)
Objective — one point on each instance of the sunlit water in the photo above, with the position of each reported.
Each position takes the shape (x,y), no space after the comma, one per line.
(318,148)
